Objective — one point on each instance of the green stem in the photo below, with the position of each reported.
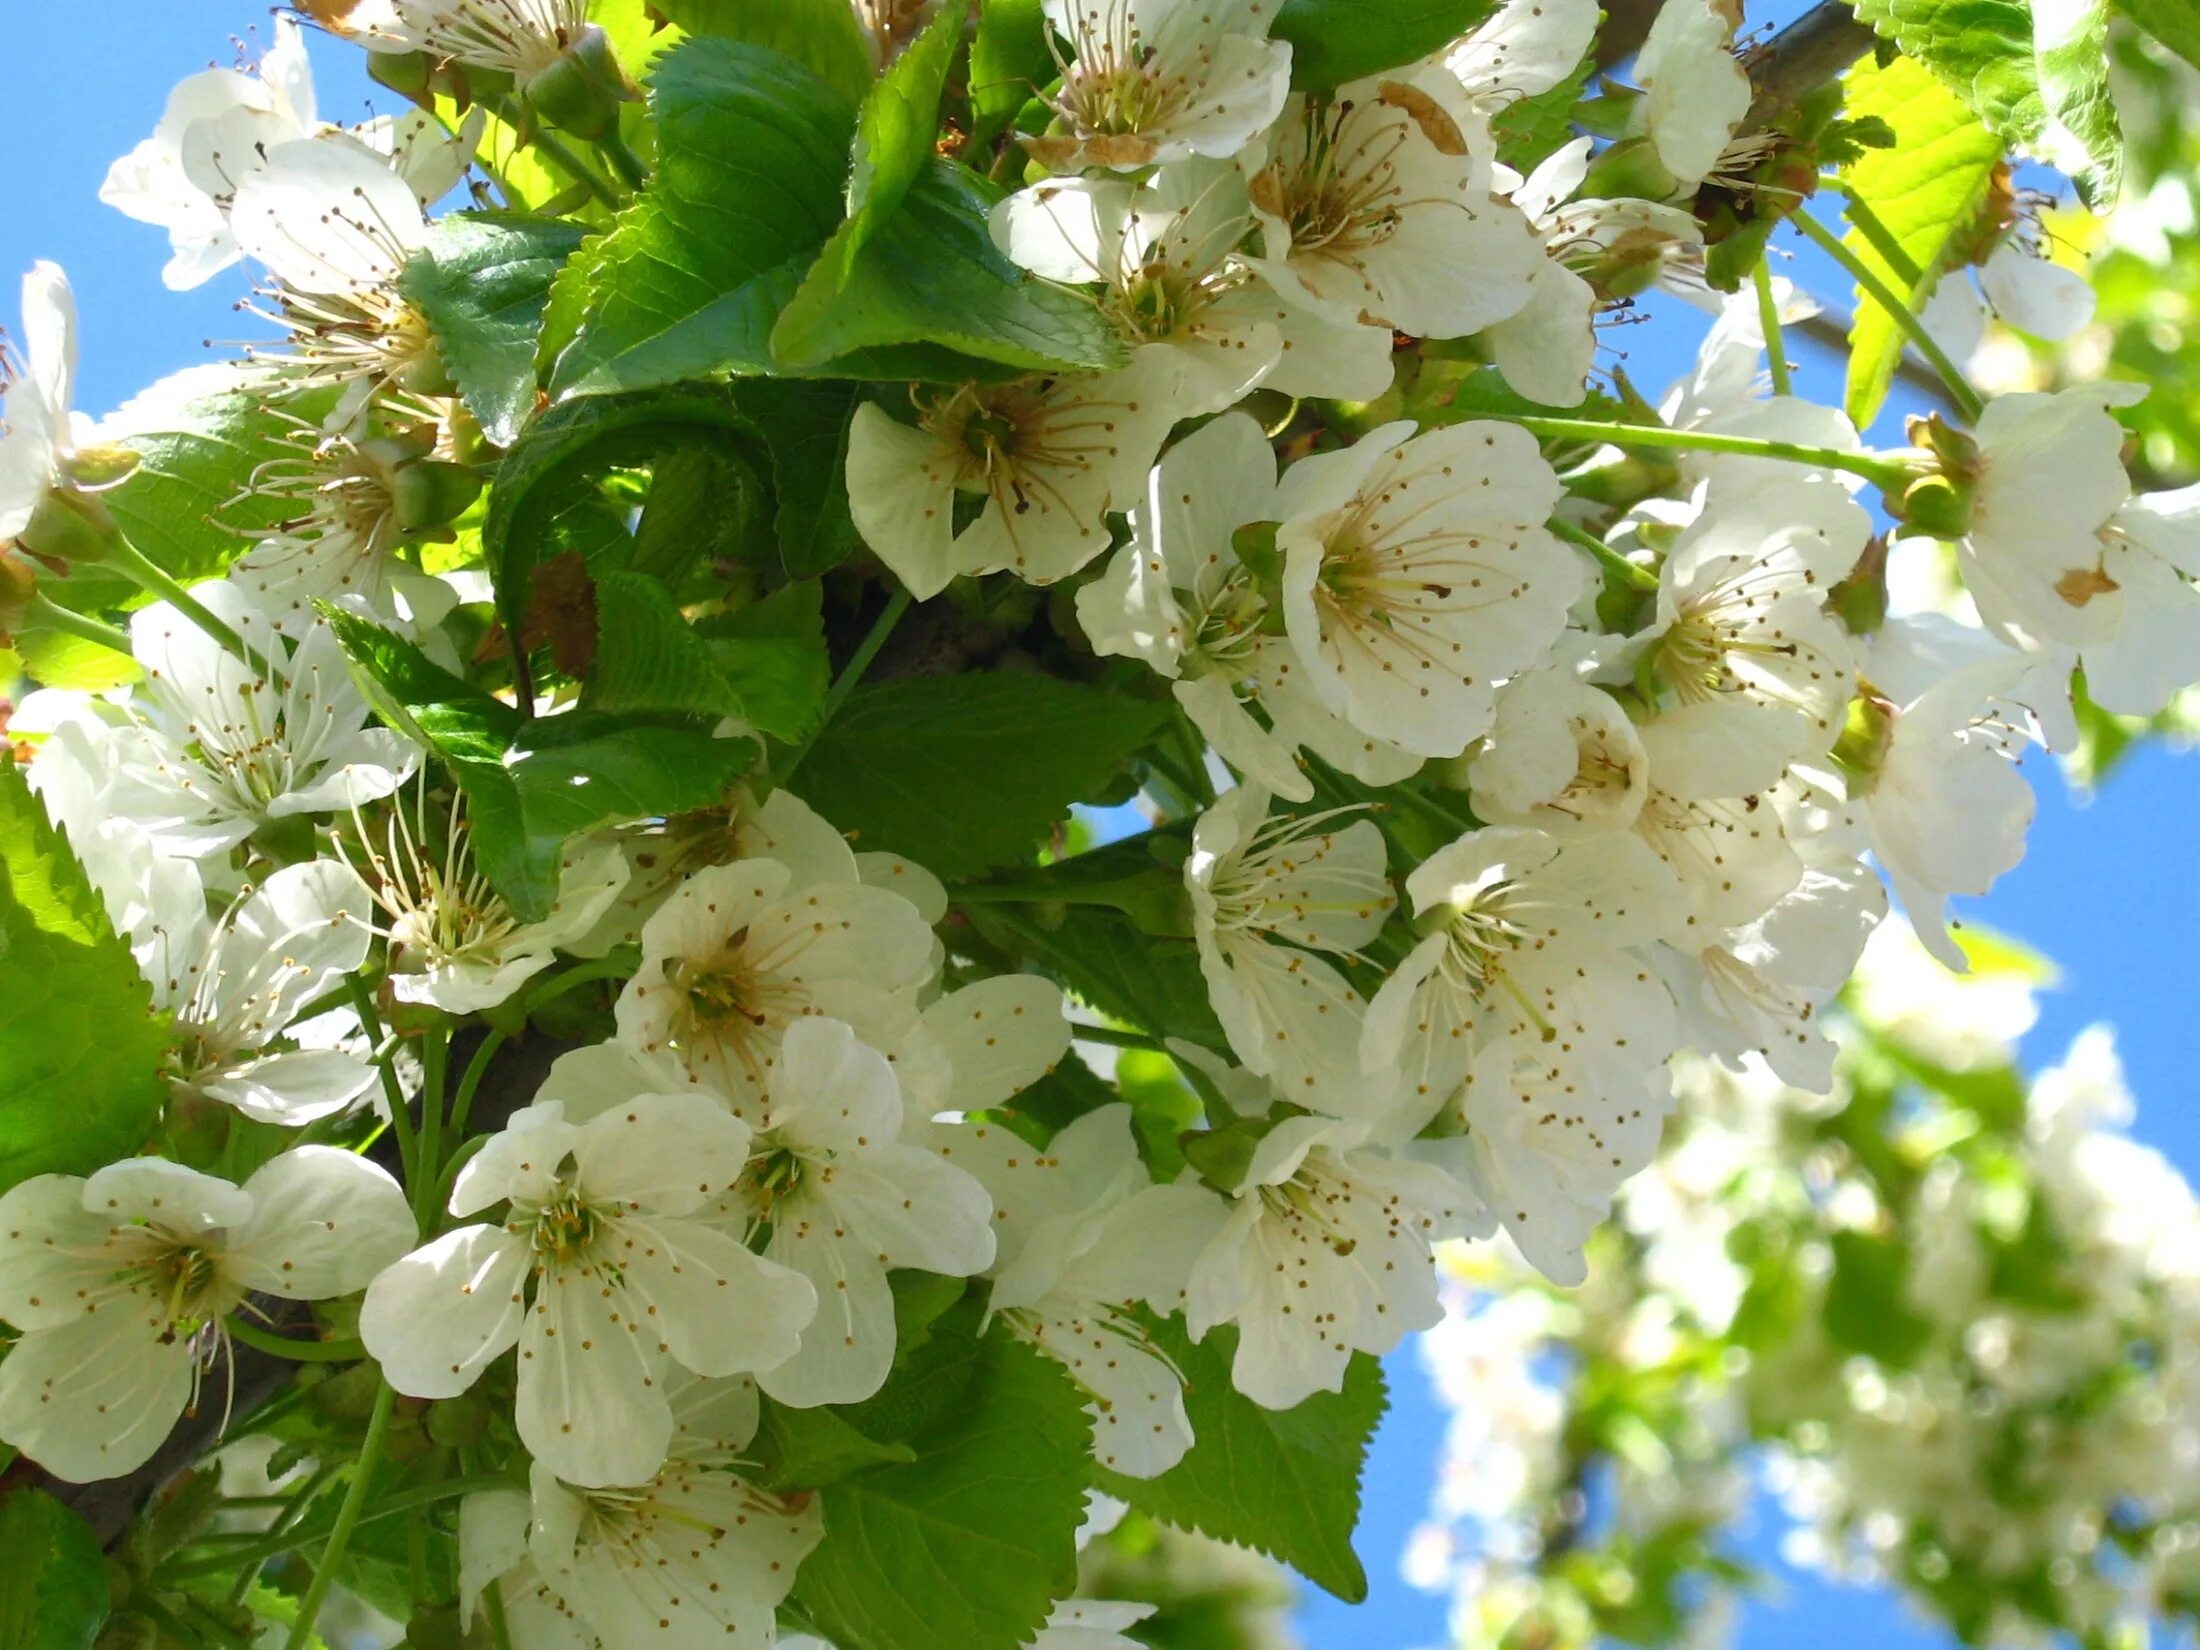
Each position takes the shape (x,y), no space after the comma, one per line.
(1869,281)
(845,683)
(294,1537)
(492,1606)
(1641,578)
(347,1350)
(1768,318)
(554,150)
(476,1069)
(1884,472)
(435,1053)
(126,559)
(43,613)
(362,1002)
(347,1518)
(624,161)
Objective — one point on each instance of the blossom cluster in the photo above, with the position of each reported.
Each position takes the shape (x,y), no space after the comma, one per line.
(2001,1423)
(1507,781)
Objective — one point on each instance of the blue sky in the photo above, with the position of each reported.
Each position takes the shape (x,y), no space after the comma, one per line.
(2107,887)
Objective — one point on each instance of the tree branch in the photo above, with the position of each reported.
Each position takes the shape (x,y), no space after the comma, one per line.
(1802,57)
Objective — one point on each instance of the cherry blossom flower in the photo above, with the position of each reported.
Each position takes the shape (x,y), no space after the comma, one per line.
(599,1272)
(1269,898)
(1418,573)
(1050,457)
(39,433)
(120,1287)
(1152,81)
(846,1200)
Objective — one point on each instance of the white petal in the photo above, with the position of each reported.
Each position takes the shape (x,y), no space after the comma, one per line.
(444,1313)
(592,1405)
(324,1222)
(1003,1034)
(666,1153)
(715,1307)
(95,1398)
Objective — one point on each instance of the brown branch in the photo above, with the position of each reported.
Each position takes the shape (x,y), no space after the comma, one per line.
(1801,58)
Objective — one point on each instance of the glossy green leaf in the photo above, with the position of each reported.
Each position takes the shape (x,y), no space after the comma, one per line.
(752,153)
(804,429)
(1286,1482)
(2070,39)
(81,1050)
(771,657)
(1335,41)
(823,35)
(964,772)
(1925,190)
(968,1546)
(482,282)
(1009,63)
(53,1577)
(2175,23)
(534,784)
(930,274)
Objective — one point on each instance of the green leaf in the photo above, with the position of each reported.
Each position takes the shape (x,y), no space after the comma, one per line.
(81,1050)
(648,657)
(1333,41)
(964,772)
(482,282)
(930,274)
(1009,62)
(533,785)
(804,428)
(810,1448)
(1530,129)
(1980,49)
(2070,39)
(1152,984)
(822,35)
(53,1582)
(1286,1482)
(2175,23)
(546,473)
(968,1546)
(1925,190)
(771,656)
(2043,88)
(190,506)
(751,153)
(898,126)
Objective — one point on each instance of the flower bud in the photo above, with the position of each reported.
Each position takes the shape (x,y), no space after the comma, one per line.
(429,493)
(69,526)
(581,92)
(1935,504)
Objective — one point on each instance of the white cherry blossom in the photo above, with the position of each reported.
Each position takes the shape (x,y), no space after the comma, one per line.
(1418,573)
(1522,49)
(38,433)
(1271,897)
(1147,82)
(1698,93)
(600,1272)
(1751,666)
(1529,945)
(520,37)
(846,1200)
(1180,597)
(1324,1252)
(1560,755)
(1049,457)
(1165,256)
(120,1287)
(234,986)
(737,956)
(1083,1236)
(223,747)
(1381,202)
(696,1556)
